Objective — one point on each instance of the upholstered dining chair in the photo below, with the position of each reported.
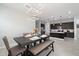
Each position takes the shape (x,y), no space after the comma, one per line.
(14,51)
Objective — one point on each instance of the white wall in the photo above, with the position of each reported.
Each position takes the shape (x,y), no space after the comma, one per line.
(76,21)
(13,23)
(62,20)
(47,28)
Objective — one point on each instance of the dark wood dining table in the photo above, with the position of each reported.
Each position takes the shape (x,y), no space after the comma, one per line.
(25,42)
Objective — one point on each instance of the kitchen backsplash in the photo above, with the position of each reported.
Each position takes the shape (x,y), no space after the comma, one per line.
(64,30)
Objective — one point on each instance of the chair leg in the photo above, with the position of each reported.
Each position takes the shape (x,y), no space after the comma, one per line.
(30,54)
(23,54)
(9,53)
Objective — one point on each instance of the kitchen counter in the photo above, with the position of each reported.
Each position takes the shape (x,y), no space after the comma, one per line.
(62,34)
(58,34)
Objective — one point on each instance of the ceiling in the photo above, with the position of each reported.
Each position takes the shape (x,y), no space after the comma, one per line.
(46,10)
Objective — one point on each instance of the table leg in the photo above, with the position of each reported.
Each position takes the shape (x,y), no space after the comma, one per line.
(35,44)
(26,52)
(40,41)
(52,47)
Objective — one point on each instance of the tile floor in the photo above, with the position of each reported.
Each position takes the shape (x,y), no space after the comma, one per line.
(66,47)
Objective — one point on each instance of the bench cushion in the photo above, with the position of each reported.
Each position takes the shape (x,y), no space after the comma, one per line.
(37,49)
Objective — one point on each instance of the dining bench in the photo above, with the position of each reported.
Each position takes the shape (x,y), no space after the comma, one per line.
(35,51)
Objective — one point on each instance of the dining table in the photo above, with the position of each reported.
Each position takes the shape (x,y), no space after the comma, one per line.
(25,42)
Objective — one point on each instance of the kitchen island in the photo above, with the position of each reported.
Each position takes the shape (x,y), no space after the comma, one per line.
(58,34)
(62,34)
